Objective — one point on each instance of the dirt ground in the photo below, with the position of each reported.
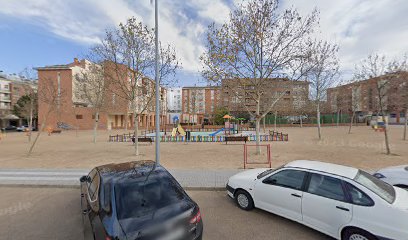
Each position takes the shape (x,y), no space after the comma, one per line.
(54,213)
(364,148)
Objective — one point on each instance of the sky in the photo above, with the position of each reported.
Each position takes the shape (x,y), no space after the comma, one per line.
(36,33)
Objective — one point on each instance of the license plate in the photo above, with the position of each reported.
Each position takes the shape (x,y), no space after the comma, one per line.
(173,235)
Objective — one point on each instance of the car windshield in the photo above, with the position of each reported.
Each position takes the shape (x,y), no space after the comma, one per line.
(267,172)
(382,189)
(137,199)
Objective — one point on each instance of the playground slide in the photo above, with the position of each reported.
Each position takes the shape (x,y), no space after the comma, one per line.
(216,132)
(181,130)
(178,129)
(173,133)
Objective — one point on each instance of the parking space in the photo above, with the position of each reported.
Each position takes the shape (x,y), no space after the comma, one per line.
(48,213)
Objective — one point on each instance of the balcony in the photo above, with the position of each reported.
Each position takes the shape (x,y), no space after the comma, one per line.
(5,99)
(4,90)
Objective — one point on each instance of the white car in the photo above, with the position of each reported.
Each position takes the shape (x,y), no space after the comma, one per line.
(342,202)
(396,176)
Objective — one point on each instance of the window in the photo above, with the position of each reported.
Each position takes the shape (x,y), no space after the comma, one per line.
(358,197)
(6,86)
(144,198)
(382,189)
(326,186)
(79,116)
(287,178)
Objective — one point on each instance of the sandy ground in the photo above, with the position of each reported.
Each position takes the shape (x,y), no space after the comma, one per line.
(364,148)
(52,213)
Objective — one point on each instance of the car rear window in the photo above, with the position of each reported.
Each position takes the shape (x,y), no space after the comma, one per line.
(406,168)
(137,199)
(382,189)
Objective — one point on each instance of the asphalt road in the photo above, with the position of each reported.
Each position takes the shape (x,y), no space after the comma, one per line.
(53,213)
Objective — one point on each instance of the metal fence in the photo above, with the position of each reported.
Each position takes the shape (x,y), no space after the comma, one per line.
(127,137)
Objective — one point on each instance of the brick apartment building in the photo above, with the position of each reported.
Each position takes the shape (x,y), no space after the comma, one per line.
(237,99)
(12,88)
(362,97)
(76,113)
(199,104)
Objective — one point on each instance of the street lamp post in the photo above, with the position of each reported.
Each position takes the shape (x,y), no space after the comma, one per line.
(156,29)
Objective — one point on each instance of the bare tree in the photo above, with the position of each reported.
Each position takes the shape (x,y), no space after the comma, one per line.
(257,44)
(52,97)
(129,55)
(376,67)
(90,90)
(325,66)
(29,74)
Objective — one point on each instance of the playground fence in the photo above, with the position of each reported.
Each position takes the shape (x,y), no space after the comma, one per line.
(127,137)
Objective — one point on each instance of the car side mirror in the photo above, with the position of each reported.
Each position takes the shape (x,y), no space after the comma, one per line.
(269,181)
(85,179)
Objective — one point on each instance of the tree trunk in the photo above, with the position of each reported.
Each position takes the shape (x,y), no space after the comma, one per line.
(257,129)
(136,133)
(387,143)
(405,124)
(38,134)
(301,121)
(276,116)
(351,121)
(95,126)
(338,118)
(264,127)
(126,119)
(318,121)
(30,122)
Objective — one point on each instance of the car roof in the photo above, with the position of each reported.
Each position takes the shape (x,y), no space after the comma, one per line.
(130,171)
(340,170)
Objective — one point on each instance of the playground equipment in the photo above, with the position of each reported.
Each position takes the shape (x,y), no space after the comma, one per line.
(379,123)
(216,132)
(178,130)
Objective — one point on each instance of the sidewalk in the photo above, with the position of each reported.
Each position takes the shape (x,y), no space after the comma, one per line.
(189,179)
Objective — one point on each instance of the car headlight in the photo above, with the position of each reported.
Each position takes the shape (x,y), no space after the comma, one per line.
(378,175)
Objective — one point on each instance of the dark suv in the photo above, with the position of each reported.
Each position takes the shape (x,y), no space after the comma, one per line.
(137,200)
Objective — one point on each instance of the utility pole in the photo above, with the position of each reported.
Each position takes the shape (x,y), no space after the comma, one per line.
(156,30)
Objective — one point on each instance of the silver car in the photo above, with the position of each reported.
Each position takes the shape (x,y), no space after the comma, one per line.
(396,176)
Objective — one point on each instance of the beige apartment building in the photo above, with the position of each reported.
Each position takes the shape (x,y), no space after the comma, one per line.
(12,88)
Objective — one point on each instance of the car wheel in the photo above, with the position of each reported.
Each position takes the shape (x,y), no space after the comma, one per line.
(244,200)
(357,234)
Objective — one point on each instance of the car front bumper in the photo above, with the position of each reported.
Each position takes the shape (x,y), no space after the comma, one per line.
(230,191)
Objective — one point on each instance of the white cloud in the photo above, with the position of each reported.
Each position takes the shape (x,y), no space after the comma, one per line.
(358,26)
(361,27)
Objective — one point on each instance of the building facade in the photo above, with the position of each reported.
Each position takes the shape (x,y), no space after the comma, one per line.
(363,97)
(240,95)
(173,105)
(199,104)
(12,88)
(74,112)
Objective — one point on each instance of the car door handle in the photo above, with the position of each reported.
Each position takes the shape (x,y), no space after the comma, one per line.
(296,195)
(342,208)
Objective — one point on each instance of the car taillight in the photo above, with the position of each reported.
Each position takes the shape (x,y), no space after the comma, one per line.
(196,218)
(108,238)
